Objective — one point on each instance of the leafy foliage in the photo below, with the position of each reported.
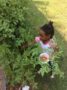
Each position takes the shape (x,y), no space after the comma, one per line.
(17,22)
(17,28)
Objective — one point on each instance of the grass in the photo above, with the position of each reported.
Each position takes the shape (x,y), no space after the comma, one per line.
(56,10)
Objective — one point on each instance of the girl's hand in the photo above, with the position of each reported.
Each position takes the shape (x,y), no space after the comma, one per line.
(56,48)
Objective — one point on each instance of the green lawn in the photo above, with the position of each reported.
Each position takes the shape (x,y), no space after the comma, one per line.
(56,11)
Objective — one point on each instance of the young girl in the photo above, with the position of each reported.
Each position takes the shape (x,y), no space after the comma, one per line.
(48,45)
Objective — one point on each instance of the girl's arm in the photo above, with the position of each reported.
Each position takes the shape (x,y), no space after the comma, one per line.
(56,48)
(31,43)
(28,44)
(36,40)
(54,45)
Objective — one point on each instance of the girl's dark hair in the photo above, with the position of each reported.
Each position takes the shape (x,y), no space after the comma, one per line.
(48,29)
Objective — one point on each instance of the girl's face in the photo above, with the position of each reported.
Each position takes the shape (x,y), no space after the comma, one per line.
(43,36)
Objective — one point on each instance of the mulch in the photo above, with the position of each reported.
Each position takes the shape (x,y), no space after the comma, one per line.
(2,80)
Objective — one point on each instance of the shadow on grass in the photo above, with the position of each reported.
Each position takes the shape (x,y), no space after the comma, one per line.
(37,18)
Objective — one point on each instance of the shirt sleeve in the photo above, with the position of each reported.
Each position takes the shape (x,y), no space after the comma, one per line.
(37,39)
